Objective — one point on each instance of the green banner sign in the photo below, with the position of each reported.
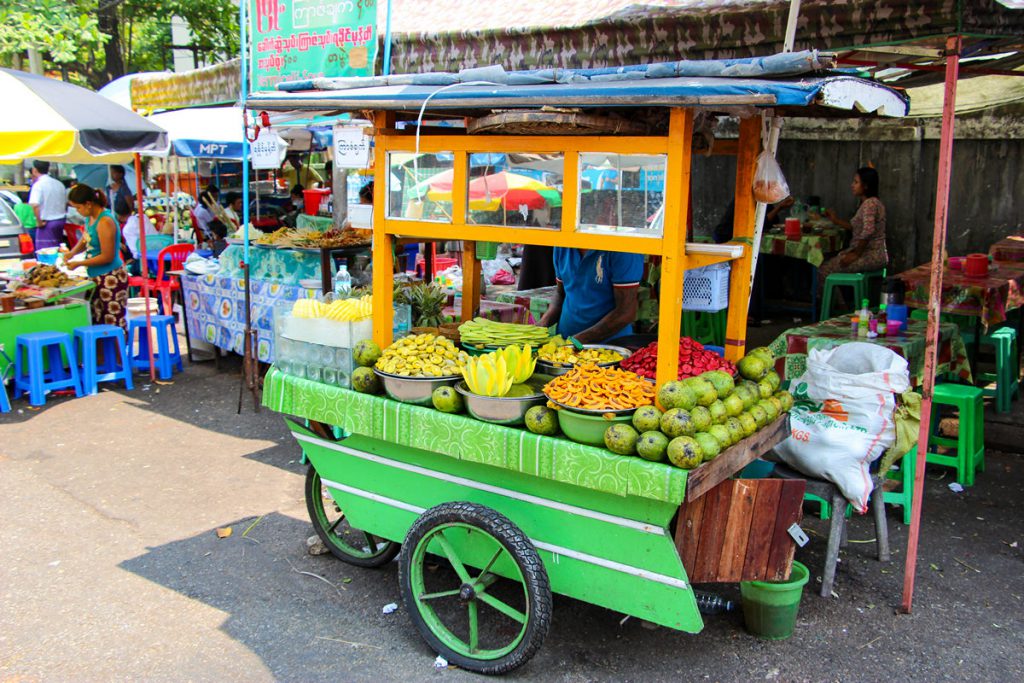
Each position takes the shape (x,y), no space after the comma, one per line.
(303,39)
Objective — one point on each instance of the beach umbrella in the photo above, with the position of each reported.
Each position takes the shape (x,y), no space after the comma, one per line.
(43,118)
(494,191)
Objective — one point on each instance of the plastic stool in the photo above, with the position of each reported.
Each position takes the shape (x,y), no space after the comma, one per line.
(164,358)
(905,475)
(970,443)
(1006,378)
(31,374)
(5,403)
(116,365)
(855,280)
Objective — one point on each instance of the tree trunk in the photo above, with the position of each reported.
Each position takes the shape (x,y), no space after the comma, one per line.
(109,23)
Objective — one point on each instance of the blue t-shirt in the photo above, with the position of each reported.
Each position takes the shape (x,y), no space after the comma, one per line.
(589,281)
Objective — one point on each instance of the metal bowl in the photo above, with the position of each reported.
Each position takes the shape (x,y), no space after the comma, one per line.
(501,410)
(556,370)
(414,390)
(594,413)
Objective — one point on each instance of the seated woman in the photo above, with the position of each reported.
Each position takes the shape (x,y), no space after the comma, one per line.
(867,245)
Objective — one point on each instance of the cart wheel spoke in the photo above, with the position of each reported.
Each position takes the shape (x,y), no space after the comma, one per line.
(449,552)
(372,541)
(474,631)
(510,612)
(490,563)
(334,526)
(439,594)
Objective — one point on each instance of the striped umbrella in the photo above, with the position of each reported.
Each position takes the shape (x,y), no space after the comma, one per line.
(42,118)
(497,190)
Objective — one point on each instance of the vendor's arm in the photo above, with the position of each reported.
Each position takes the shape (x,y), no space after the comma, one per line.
(836,220)
(624,313)
(76,250)
(554,311)
(107,232)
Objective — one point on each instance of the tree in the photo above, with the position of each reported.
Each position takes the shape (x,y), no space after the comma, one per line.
(97,41)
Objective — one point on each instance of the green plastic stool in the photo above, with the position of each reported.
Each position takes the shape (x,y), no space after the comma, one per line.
(970,443)
(871,275)
(1004,383)
(904,497)
(855,280)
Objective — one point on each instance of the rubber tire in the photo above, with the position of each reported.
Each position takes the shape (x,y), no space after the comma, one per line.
(522,551)
(312,488)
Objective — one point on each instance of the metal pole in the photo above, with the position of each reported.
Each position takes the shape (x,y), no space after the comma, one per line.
(250,365)
(934,310)
(386,66)
(145,266)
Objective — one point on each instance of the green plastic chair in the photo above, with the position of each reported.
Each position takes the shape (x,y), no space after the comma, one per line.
(707,328)
(1004,384)
(970,442)
(857,281)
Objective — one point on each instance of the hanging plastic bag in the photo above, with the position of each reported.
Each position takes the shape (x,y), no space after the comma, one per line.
(770,186)
(843,419)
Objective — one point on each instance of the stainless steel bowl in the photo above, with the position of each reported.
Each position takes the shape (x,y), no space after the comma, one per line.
(556,370)
(501,410)
(584,411)
(415,390)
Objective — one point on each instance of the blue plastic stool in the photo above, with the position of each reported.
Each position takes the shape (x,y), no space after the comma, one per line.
(164,357)
(5,403)
(31,374)
(116,365)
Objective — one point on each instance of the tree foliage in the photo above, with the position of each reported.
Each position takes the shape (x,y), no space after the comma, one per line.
(100,40)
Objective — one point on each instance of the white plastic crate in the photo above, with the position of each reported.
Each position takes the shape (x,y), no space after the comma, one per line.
(706,289)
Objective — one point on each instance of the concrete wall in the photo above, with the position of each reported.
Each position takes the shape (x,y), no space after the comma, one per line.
(820,157)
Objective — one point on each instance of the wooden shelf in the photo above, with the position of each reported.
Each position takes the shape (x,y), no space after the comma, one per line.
(736,457)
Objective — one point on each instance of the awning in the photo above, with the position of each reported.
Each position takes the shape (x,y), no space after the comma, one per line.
(832,92)
(209,133)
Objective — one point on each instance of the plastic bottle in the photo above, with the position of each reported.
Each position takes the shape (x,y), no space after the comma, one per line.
(342,281)
(855,325)
(883,320)
(864,315)
(711,603)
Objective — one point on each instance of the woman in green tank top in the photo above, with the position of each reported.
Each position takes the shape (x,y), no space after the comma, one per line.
(101,243)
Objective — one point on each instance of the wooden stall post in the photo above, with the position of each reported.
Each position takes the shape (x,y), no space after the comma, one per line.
(673,262)
(742,226)
(470,263)
(383,243)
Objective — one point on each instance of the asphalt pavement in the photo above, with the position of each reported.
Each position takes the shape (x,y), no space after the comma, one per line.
(111,568)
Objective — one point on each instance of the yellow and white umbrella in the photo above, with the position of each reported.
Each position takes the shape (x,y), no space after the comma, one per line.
(42,118)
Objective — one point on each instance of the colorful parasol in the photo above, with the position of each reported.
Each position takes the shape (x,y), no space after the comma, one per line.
(498,190)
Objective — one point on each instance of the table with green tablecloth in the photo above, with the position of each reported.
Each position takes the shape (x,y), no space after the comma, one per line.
(988,298)
(792,346)
(1008,249)
(814,246)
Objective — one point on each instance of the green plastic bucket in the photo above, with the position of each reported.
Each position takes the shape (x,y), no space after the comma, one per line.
(487,251)
(769,607)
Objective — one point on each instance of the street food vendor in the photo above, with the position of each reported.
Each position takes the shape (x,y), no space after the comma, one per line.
(101,244)
(597,294)
(867,245)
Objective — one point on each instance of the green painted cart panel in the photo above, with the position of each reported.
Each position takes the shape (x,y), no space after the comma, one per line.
(610,550)
(59,318)
(466,439)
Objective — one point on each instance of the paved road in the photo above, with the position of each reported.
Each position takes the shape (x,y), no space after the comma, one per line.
(110,567)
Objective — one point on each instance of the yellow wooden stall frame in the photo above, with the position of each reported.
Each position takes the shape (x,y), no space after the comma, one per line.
(671,246)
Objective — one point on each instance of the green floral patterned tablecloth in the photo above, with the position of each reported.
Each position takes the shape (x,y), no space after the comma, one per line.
(465,438)
(813,247)
(791,347)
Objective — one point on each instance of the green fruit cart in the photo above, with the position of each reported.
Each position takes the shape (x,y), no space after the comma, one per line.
(488,521)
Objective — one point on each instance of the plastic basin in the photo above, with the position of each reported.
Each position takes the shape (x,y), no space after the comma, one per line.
(770,608)
(587,429)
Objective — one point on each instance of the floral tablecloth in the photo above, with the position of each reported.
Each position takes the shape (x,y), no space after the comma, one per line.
(813,247)
(283,266)
(989,297)
(791,347)
(1008,249)
(215,309)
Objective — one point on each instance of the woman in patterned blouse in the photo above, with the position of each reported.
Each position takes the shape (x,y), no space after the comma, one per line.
(867,245)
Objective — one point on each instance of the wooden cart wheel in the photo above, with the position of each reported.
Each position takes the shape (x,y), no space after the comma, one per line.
(477,620)
(345,542)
